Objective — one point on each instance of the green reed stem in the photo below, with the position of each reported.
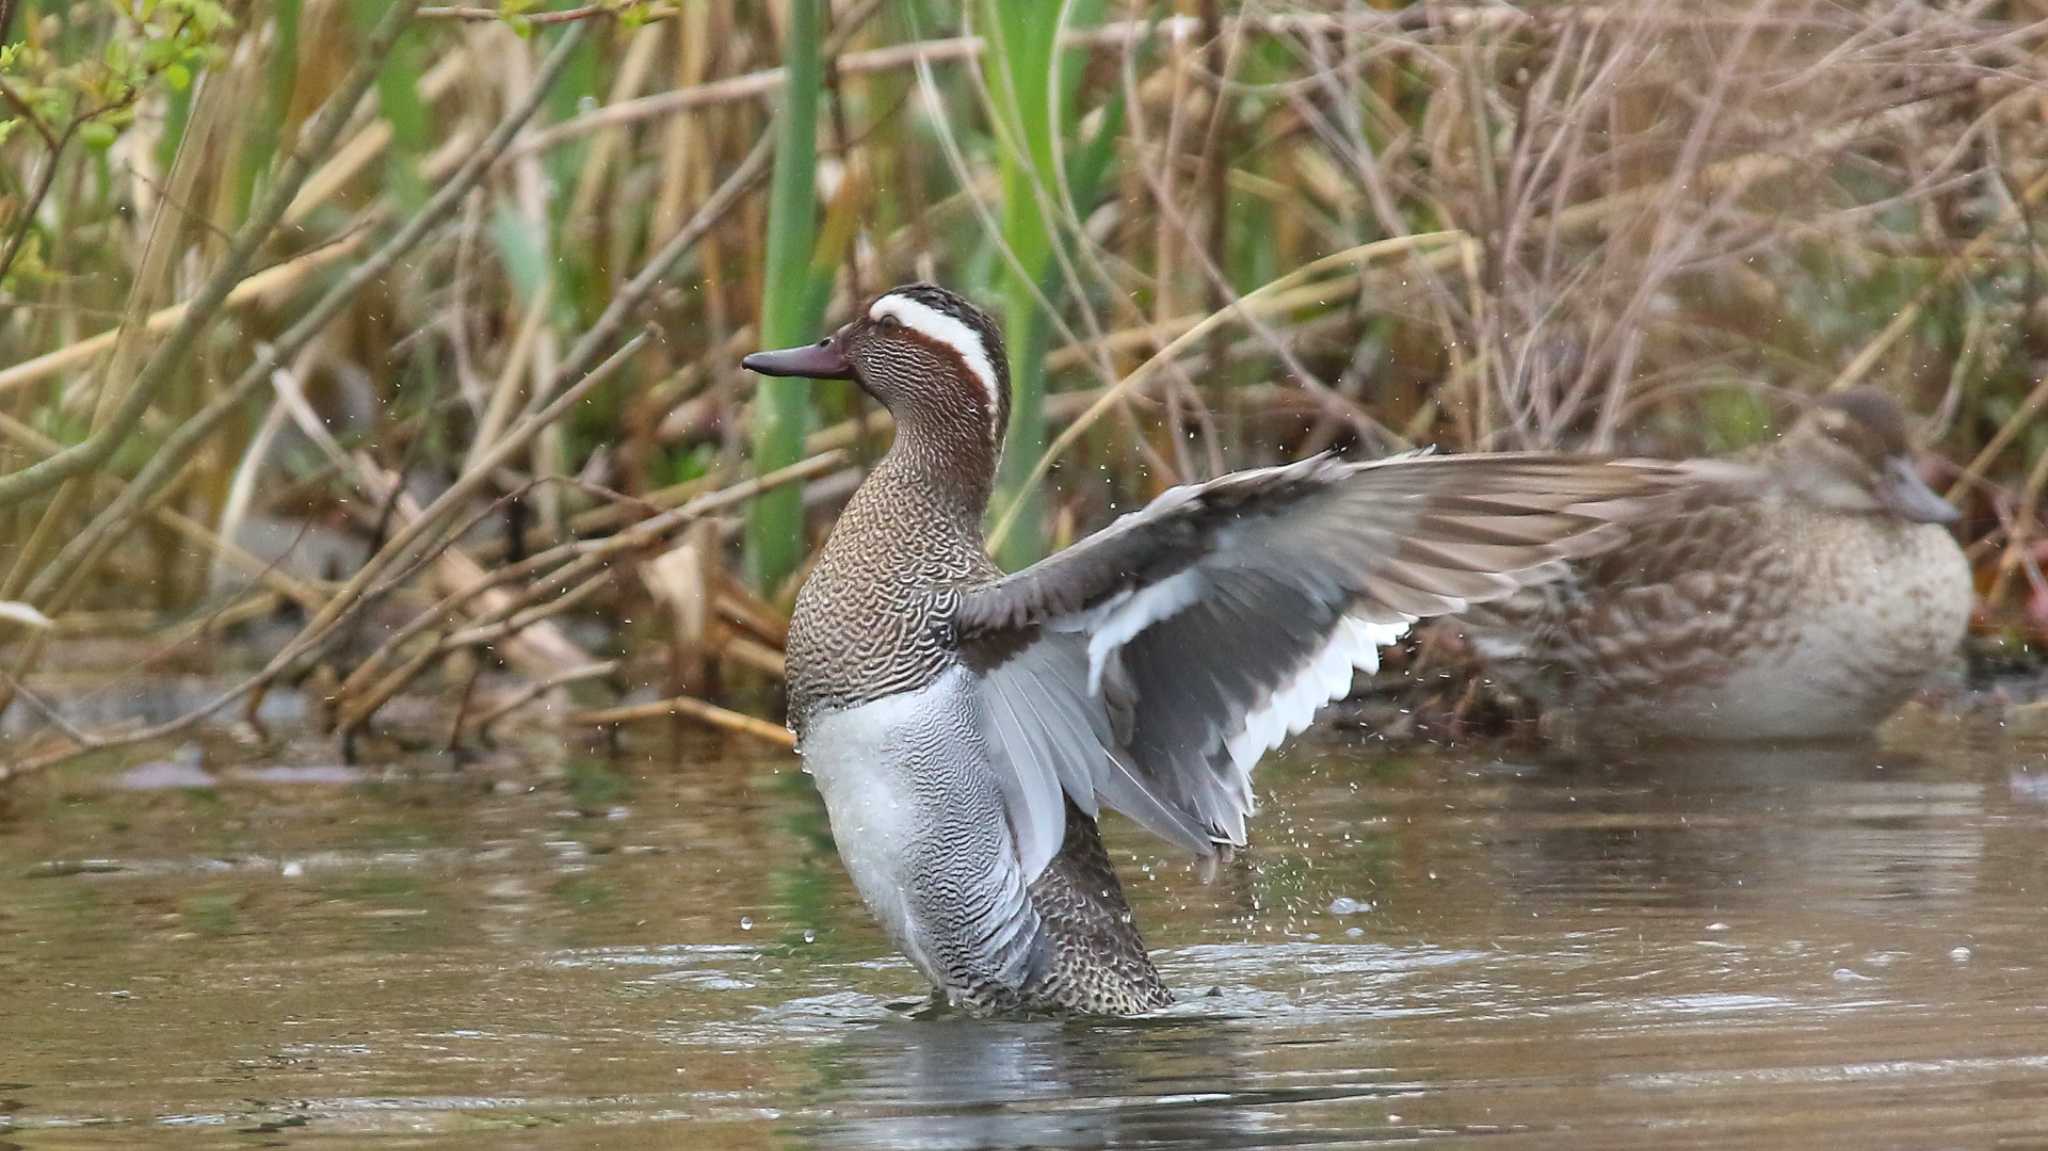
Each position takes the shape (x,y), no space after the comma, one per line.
(1021,78)
(790,310)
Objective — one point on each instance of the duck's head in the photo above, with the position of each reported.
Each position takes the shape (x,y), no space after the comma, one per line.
(930,357)
(1853,451)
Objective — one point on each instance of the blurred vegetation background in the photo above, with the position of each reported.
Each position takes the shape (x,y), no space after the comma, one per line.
(391,349)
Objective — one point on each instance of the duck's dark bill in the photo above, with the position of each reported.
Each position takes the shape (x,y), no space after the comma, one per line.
(1904,492)
(820,361)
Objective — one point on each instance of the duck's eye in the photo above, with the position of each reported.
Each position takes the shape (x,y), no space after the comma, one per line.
(889,321)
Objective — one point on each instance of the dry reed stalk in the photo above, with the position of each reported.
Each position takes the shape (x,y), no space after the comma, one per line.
(1269,296)
(2018,555)
(206,539)
(346,600)
(121,419)
(738,603)
(535,351)
(517,622)
(59,580)
(1858,367)
(2022,419)
(426,529)
(584,566)
(370,142)
(274,284)
(686,707)
(521,434)
(648,14)
(1173,220)
(114,408)
(121,409)
(539,650)
(171,457)
(269,286)
(1173,31)
(577,559)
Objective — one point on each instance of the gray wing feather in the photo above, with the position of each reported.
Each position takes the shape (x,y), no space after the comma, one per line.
(1153,663)
(1054,736)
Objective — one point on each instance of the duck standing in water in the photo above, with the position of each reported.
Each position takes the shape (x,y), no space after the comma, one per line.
(1802,593)
(967,727)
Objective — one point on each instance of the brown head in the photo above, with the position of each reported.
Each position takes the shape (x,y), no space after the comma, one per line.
(930,357)
(1854,452)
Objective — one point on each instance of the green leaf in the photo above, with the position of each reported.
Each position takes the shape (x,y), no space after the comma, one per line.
(266,132)
(398,100)
(98,135)
(522,249)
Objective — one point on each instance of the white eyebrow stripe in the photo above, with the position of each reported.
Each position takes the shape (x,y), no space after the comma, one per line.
(935,325)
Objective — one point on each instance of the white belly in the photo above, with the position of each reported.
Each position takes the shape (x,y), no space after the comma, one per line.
(856,757)
(918,820)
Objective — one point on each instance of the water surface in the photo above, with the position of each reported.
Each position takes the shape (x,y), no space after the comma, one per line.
(1738,948)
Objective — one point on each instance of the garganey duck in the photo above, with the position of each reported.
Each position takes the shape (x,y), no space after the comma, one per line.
(1804,592)
(966,727)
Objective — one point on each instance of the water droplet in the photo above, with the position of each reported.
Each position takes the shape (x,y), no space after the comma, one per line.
(746,923)
(1960,955)
(810,936)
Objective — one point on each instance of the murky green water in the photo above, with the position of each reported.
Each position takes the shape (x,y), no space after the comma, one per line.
(1735,949)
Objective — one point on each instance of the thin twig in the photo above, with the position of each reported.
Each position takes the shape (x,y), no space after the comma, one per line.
(480,724)
(689,707)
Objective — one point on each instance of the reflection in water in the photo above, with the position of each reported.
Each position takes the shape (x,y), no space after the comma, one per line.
(1816,826)
(1751,947)
(958,1083)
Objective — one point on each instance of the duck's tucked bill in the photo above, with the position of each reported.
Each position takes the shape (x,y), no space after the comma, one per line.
(966,727)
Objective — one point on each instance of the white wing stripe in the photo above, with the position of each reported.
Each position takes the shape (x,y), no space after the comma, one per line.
(1115,623)
(1293,705)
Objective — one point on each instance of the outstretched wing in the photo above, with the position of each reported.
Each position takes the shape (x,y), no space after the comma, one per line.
(1150,666)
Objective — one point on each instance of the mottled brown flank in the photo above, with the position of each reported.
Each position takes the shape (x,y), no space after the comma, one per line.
(1099,963)
(1748,591)
(1663,611)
